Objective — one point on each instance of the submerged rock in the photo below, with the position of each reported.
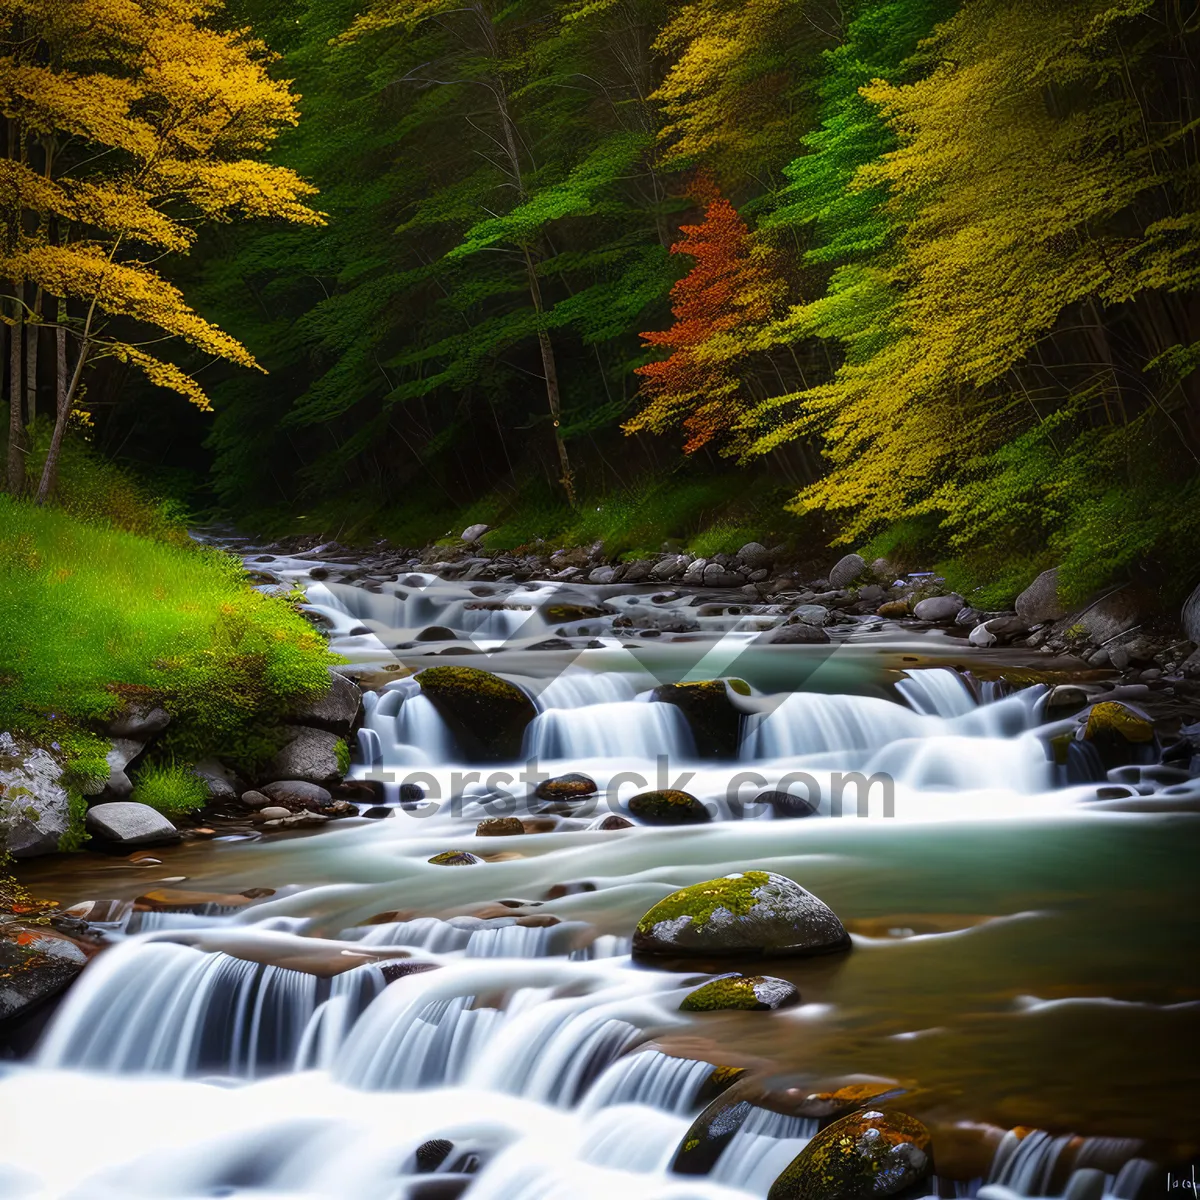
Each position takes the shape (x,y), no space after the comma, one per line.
(785,806)
(487,714)
(668,807)
(848,1098)
(130,824)
(755,912)
(706,705)
(799,633)
(864,1155)
(753,993)
(455,858)
(566,787)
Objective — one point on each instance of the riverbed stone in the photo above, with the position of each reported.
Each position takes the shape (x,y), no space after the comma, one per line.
(140,720)
(755,556)
(668,807)
(1190,617)
(864,1155)
(473,533)
(751,912)
(752,993)
(499,827)
(35,964)
(455,858)
(129,824)
(940,610)
(1119,734)
(1039,602)
(798,633)
(785,805)
(846,570)
(572,786)
(487,714)
(1111,615)
(311,755)
(295,794)
(33,803)
(219,781)
(335,710)
(709,711)
(895,609)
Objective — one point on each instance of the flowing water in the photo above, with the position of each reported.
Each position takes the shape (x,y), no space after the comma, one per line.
(1020,958)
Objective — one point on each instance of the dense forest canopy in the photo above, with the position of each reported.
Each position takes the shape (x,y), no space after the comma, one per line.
(921,273)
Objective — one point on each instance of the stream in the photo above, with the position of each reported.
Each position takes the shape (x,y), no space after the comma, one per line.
(1023,958)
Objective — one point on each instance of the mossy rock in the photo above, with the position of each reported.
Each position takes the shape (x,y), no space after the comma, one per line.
(896,609)
(862,1156)
(455,858)
(668,807)
(487,714)
(1121,735)
(720,1080)
(714,721)
(746,913)
(750,993)
(836,1103)
(566,787)
(499,827)
(562,614)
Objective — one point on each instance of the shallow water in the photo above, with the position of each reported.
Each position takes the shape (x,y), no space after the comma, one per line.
(1018,958)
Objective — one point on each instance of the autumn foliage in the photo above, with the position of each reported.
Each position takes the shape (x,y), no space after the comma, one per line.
(718,305)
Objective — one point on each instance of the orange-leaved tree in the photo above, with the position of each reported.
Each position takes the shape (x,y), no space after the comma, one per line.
(721,307)
(127,123)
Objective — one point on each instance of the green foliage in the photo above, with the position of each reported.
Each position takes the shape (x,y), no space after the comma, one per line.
(91,615)
(170,788)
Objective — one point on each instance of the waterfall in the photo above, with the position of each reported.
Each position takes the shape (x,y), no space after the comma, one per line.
(630,729)
(810,723)
(576,688)
(936,692)
(500,937)
(403,729)
(650,1077)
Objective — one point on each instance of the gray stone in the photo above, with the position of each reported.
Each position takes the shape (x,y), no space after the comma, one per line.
(253,799)
(118,785)
(219,780)
(754,555)
(694,573)
(751,912)
(872,593)
(33,804)
(1110,615)
(799,633)
(602,575)
(336,710)
(129,824)
(139,721)
(847,570)
(35,964)
(982,636)
(638,571)
(473,533)
(274,812)
(1039,601)
(298,793)
(882,569)
(811,614)
(671,567)
(716,575)
(309,754)
(1191,617)
(942,610)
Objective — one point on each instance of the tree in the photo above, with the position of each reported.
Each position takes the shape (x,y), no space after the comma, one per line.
(727,297)
(127,126)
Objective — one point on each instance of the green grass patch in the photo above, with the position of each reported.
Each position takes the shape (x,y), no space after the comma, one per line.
(170,788)
(91,616)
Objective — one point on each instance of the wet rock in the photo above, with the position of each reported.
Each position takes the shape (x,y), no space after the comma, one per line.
(1190,617)
(254,800)
(1109,616)
(1064,700)
(753,912)
(295,794)
(613,821)
(33,804)
(753,993)
(895,609)
(129,824)
(573,786)
(718,575)
(983,637)
(139,720)
(798,634)
(473,533)
(1039,601)
(499,827)
(710,713)
(811,614)
(693,575)
(337,710)
(576,887)
(668,807)
(1119,734)
(786,806)
(273,812)
(864,1155)
(219,781)
(872,593)
(455,858)
(941,610)
(755,556)
(602,575)
(310,755)
(430,1155)
(847,570)
(35,964)
(849,1098)
(437,633)
(671,567)
(379,812)
(487,714)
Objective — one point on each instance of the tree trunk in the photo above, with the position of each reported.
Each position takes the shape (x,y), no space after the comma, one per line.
(66,398)
(61,382)
(16,439)
(33,332)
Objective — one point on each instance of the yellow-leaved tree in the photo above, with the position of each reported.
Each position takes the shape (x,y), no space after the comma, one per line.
(127,124)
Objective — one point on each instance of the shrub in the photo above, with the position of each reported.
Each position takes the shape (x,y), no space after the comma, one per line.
(170,788)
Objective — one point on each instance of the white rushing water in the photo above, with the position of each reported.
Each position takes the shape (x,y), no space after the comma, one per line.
(309,1044)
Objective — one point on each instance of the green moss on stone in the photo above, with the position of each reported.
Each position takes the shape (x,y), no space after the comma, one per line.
(734,893)
(740,992)
(669,807)
(487,713)
(455,858)
(1111,719)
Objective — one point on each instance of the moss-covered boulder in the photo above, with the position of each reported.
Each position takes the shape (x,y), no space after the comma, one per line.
(715,1127)
(499,827)
(752,993)
(487,714)
(864,1155)
(455,858)
(709,711)
(1121,735)
(566,787)
(747,913)
(668,807)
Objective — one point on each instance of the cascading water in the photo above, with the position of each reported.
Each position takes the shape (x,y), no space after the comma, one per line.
(308,1044)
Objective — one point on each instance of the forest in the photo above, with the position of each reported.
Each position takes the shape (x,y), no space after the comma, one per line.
(913,275)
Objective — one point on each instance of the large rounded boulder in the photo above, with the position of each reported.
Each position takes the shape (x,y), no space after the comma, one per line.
(668,807)
(1120,735)
(710,713)
(748,913)
(865,1155)
(748,993)
(487,714)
